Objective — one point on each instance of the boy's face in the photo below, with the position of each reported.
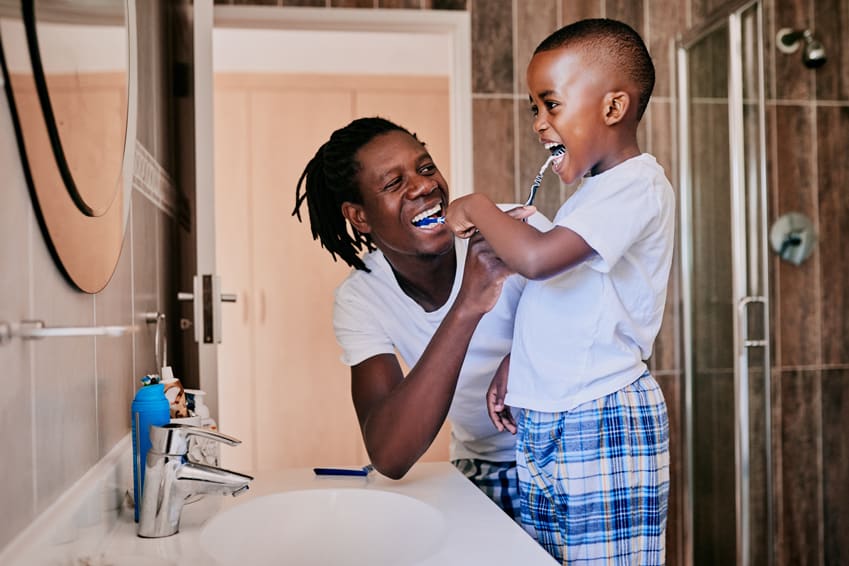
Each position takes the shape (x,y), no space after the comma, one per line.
(567,94)
(399,182)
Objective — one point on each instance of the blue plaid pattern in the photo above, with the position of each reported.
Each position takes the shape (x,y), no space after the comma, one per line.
(498,480)
(594,481)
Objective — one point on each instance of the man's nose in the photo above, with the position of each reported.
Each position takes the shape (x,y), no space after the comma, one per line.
(421,186)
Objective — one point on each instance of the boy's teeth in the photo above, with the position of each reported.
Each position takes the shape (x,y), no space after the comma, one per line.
(422,215)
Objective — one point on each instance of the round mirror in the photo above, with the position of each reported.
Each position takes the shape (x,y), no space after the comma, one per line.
(69,69)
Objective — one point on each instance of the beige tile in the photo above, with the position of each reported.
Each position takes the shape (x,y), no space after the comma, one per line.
(115,379)
(63,383)
(145,288)
(17,222)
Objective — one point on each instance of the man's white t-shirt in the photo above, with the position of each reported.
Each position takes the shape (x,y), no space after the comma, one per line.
(372,316)
(585,332)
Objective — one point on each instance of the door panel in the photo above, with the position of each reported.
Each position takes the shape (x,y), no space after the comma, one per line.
(288,394)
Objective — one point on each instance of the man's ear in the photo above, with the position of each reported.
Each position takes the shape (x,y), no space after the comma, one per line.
(616,104)
(355,214)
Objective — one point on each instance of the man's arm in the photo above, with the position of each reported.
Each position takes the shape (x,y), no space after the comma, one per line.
(400,416)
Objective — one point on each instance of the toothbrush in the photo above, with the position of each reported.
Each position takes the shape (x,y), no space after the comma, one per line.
(557,152)
(428,221)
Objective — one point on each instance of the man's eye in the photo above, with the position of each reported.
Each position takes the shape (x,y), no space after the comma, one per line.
(429,169)
(392,184)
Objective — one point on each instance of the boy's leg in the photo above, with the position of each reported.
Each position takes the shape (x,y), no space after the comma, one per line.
(601,479)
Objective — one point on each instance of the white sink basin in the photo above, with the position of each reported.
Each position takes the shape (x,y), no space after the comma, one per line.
(325,526)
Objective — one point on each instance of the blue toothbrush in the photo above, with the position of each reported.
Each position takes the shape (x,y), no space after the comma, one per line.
(428,221)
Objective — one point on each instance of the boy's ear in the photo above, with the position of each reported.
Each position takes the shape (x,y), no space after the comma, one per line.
(355,214)
(616,104)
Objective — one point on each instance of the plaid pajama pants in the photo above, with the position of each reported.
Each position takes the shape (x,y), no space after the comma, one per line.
(497,480)
(594,481)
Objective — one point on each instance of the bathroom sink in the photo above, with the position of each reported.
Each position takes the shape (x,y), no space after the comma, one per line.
(325,526)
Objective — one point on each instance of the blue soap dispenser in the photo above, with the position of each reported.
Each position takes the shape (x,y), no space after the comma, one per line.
(150,407)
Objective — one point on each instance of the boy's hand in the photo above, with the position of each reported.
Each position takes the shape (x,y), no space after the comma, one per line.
(457,216)
(499,413)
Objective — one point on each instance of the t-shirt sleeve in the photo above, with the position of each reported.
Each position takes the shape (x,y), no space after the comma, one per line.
(612,219)
(358,329)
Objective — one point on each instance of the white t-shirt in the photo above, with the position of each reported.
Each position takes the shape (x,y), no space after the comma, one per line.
(585,332)
(372,316)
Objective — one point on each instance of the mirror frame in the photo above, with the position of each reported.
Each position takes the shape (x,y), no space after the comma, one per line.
(85,243)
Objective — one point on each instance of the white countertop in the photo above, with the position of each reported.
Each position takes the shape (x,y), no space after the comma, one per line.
(476,530)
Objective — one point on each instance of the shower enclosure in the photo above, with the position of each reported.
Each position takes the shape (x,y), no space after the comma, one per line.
(725,290)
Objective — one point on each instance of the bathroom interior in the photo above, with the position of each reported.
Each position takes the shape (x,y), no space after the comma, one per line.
(750,119)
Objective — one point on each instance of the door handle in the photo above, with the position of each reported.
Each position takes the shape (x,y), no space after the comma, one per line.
(207,310)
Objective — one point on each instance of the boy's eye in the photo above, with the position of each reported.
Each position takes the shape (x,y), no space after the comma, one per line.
(534,110)
(551,105)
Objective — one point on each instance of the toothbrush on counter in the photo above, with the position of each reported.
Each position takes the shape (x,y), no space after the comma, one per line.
(364,471)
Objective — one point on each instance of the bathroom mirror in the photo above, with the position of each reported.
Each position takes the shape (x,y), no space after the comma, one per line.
(69,70)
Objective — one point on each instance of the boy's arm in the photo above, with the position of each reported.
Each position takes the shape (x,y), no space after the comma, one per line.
(523,248)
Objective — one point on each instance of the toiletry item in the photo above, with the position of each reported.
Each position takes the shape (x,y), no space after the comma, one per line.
(428,221)
(150,407)
(175,393)
(202,450)
(364,471)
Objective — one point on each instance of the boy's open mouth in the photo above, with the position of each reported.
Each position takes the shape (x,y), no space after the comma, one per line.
(558,151)
(433,215)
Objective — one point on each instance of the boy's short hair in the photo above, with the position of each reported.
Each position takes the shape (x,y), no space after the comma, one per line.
(616,43)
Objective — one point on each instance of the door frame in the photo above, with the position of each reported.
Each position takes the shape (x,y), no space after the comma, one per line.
(455,26)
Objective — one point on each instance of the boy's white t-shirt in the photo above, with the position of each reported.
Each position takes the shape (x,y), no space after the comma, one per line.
(584,333)
(372,316)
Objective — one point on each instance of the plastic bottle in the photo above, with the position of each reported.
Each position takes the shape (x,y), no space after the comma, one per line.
(150,407)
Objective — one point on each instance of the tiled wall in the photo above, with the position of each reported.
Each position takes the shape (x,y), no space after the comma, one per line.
(65,401)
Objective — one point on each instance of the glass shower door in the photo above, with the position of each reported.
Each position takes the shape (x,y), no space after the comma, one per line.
(725,290)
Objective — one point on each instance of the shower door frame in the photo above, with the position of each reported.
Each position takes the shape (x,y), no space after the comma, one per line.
(742,268)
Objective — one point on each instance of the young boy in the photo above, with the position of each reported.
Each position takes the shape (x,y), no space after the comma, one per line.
(593,435)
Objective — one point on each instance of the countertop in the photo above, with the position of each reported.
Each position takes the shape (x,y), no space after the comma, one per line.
(476,530)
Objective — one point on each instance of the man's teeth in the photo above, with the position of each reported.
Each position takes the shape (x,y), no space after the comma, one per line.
(422,215)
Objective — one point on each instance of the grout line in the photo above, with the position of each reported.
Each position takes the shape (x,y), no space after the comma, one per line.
(517,168)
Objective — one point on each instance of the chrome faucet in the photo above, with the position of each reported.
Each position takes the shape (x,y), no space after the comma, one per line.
(170,478)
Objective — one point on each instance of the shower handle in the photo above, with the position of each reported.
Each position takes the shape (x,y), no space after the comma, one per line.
(742,308)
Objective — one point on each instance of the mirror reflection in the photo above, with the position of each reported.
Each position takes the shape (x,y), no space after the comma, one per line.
(84,95)
(69,69)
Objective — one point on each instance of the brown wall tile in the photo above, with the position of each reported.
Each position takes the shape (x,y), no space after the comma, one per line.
(835,456)
(535,21)
(832,140)
(492,46)
(493,148)
(792,80)
(408,4)
(796,292)
(832,28)
(629,11)
(665,20)
(445,4)
(799,502)
(574,10)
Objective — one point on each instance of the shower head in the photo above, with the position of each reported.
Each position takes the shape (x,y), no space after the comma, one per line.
(813,52)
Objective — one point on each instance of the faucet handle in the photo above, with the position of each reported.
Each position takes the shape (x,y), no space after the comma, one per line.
(173,438)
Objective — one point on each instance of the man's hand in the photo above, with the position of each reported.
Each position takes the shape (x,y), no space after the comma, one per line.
(499,413)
